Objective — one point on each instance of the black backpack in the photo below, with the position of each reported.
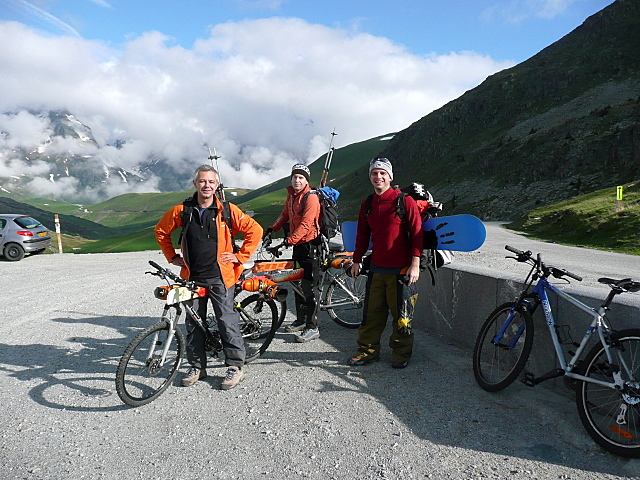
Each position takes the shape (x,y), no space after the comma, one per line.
(188,206)
(430,258)
(328,221)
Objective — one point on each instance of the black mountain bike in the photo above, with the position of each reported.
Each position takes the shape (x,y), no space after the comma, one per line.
(152,359)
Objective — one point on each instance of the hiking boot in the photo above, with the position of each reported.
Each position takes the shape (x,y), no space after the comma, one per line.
(359,360)
(307,335)
(232,377)
(193,375)
(296,326)
(397,363)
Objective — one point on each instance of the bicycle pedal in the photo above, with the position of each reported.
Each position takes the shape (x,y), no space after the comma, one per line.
(529,380)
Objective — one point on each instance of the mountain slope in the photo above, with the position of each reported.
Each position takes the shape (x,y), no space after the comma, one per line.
(69,224)
(564,122)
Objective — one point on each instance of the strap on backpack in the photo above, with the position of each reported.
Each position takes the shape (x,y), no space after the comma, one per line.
(226,216)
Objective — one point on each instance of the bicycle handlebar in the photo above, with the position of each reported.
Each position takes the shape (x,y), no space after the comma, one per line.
(541,267)
(275,251)
(166,273)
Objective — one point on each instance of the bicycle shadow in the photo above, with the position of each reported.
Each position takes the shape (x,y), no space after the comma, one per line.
(437,399)
(79,377)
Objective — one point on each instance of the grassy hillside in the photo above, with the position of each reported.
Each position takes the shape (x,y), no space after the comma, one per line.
(70,224)
(133,242)
(595,220)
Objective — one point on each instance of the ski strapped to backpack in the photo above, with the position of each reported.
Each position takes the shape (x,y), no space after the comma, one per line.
(430,258)
(190,203)
(328,221)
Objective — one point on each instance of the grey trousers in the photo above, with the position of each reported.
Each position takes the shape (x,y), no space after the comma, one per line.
(228,325)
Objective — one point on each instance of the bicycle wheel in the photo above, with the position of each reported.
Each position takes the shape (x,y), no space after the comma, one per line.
(142,376)
(339,303)
(496,366)
(258,324)
(612,417)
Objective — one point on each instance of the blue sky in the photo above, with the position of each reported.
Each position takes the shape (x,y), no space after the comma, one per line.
(265,81)
(504,29)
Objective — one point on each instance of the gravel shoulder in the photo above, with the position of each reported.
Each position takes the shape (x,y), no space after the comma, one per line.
(300,413)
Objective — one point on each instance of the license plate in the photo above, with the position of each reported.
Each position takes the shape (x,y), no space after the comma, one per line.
(43,234)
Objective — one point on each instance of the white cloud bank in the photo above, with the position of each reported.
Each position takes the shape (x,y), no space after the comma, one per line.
(265,93)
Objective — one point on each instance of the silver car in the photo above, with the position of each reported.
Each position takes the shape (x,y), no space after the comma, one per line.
(20,234)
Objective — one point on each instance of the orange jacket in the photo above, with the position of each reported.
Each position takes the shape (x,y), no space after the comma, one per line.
(241,222)
(304,225)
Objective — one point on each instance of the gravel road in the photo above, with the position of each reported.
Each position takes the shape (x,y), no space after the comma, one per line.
(300,413)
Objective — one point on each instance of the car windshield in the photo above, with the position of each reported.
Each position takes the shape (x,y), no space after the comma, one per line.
(27,222)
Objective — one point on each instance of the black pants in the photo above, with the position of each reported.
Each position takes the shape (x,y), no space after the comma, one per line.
(228,325)
(307,306)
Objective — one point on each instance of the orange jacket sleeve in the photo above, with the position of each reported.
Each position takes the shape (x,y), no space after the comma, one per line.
(169,222)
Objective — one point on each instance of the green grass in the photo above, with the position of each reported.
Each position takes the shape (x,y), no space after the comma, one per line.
(596,220)
(133,242)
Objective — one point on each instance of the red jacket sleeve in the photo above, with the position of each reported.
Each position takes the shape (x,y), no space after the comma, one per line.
(282,218)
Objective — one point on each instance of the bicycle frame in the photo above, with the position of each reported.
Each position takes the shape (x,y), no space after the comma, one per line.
(176,297)
(293,277)
(540,296)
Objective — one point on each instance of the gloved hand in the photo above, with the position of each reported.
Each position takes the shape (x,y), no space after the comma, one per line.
(275,251)
(266,238)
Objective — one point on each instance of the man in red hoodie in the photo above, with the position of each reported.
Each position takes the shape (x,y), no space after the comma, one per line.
(394,269)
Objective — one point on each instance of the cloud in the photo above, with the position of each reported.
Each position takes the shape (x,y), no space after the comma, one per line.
(266,93)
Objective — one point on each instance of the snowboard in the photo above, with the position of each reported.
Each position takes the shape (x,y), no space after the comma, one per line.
(460,233)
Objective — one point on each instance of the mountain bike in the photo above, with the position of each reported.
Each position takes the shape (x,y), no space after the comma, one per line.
(606,380)
(151,361)
(341,293)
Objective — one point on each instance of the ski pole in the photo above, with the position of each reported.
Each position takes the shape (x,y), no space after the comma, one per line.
(327,162)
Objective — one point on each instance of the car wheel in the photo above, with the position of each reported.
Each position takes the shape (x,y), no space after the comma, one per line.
(13,252)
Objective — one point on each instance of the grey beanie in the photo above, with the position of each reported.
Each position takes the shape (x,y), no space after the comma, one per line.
(383,164)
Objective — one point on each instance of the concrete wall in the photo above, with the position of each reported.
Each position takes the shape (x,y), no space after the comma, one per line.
(464,296)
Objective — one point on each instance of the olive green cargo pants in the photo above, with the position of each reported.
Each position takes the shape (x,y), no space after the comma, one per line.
(387,294)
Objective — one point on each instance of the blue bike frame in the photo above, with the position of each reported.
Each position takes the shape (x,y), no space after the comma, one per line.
(597,324)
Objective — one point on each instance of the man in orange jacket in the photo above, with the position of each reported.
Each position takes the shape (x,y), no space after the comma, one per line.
(208,256)
(302,212)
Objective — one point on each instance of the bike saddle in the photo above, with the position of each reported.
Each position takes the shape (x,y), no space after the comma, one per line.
(625,284)
(248,265)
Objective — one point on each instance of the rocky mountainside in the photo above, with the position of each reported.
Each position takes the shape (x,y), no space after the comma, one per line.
(564,122)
